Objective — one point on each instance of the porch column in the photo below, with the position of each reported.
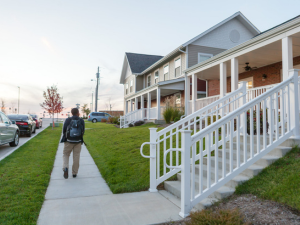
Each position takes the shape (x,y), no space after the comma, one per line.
(136,103)
(158,103)
(287,56)
(149,105)
(126,107)
(223,83)
(142,101)
(130,105)
(187,94)
(234,74)
(194,91)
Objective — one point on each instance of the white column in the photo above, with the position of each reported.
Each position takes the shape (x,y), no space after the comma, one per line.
(126,107)
(223,81)
(194,91)
(130,105)
(158,103)
(136,103)
(287,56)
(153,136)
(149,105)
(142,101)
(187,94)
(234,74)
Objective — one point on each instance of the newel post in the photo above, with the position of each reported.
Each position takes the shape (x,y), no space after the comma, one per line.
(294,101)
(153,137)
(185,173)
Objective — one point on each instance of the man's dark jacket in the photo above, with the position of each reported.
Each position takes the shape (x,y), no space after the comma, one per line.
(66,124)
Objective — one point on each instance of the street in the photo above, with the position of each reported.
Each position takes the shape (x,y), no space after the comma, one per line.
(6,150)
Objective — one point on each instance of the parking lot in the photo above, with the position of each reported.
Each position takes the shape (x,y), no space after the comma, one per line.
(6,150)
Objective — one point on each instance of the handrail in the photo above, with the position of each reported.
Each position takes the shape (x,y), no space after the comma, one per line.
(165,158)
(141,149)
(212,105)
(206,98)
(231,115)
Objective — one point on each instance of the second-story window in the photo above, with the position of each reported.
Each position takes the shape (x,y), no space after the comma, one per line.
(203,56)
(156,76)
(149,80)
(131,86)
(126,88)
(166,72)
(177,67)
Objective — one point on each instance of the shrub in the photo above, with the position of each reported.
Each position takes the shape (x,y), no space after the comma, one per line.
(110,120)
(103,120)
(118,123)
(168,113)
(176,119)
(176,114)
(115,119)
(130,125)
(138,123)
(232,217)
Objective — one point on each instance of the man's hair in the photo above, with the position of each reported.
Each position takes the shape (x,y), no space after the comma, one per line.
(75,111)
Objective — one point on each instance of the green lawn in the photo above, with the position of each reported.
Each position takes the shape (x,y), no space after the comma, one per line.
(24,178)
(279,182)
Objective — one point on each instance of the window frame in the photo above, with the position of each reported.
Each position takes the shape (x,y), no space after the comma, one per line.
(168,71)
(156,79)
(126,88)
(180,70)
(204,54)
(148,85)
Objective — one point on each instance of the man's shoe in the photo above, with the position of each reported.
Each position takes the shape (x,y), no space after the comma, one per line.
(74,175)
(66,174)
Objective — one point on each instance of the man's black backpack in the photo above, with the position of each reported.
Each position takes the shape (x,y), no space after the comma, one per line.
(74,131)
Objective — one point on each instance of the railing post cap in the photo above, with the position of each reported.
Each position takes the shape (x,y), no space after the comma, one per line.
(186,131)
(153,128)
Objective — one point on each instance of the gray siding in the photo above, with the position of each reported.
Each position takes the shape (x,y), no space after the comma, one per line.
(195,49)
(139,83)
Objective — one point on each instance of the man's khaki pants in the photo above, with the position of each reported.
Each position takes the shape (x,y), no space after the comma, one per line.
(68,148)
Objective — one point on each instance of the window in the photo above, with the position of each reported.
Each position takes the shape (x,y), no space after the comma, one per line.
(126,88)
(156,77)
(166,72)
(177,67)
(178,100)
(203,56)
(148,80)
(249,81)
(131,86)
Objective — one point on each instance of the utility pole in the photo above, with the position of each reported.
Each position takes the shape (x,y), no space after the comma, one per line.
(110,107)
(96,94)
(19,101)
(92,101)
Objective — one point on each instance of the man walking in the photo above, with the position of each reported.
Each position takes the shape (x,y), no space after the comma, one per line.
(73,132)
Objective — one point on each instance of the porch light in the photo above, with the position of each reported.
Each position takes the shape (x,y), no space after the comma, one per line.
(264,76)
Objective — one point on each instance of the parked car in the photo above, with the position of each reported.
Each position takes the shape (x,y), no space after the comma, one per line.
(38,121)
(97,116)
(25,123)
(9,131)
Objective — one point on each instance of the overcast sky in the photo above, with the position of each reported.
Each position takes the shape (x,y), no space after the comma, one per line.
(63,42)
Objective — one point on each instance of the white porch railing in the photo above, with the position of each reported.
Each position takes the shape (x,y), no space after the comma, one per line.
(132,117)
(168,138)
(202,102)
(234,128)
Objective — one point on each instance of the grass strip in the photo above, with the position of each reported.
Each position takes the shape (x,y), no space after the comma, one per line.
(24,178)
(279,182)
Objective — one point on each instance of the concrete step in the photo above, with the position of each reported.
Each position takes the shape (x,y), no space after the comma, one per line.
(232,183)
(174,187)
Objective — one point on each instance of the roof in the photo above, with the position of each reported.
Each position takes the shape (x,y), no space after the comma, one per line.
(237,15)
(140,62)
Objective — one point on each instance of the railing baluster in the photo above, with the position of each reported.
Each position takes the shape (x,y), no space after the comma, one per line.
(245,136)
(201,166)
(288,112)
(158,157)
(276,116)
(270,119)
(177,146)
(238,140)
(265,123)
(216,155)
(223,151)
(282,111)
(165,148)
(171,146)
(208,146)
(258,128)
(231,145)
(251,132)
(193,180)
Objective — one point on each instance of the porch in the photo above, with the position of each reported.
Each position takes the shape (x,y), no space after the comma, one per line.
(261,62)
(149,103)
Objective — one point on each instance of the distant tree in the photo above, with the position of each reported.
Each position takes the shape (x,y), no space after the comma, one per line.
(85,110)
(3,106)
(52,102)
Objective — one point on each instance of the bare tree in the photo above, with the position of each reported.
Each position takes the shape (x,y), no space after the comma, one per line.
(108,105)
(3,106)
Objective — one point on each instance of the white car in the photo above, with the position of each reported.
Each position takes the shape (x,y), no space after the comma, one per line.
(9,131)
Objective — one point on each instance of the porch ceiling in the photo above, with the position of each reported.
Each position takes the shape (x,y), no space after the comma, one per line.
(266,55)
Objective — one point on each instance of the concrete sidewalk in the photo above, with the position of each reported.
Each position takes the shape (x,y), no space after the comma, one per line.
(88,200)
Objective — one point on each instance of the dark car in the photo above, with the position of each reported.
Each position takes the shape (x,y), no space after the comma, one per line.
(38,121)
(25,123)
(9,132)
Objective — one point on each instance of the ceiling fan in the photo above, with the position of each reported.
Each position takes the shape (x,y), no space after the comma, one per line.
(249,68)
